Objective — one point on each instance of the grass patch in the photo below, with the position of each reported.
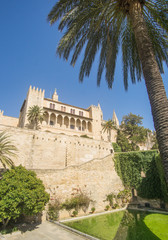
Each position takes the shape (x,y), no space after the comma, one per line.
(103,226)
(125,225)
(158,224)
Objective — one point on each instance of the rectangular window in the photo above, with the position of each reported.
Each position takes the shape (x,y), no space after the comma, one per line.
(63,109)
(52,106)
(72,111)
(81,113)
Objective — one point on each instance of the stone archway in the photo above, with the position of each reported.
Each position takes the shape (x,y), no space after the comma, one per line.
(45,118)
(59,120)
(83,125)
(66,121)
(72,123)
(78,125)
(52,119)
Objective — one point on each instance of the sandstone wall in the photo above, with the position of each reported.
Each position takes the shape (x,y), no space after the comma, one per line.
(44,150)
(9,121)
(96,178)
(67,164)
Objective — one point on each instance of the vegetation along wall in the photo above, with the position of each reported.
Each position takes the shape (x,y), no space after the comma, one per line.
(96,179)
(67,164)
(143,171)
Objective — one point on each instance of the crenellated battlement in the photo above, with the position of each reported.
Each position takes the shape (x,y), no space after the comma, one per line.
(95,107)
(60,117)
(1,113)
(36,91)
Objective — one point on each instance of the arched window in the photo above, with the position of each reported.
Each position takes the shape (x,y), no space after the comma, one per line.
(66,121)
(52,119)
(46,118)
(59,120)
(83,125)
(78,124)
(72,123)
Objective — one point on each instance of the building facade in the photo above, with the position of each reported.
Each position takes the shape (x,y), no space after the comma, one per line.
(57,152)
(63,118)
(63,159)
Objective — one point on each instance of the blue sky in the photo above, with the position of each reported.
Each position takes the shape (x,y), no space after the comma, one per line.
(28,57)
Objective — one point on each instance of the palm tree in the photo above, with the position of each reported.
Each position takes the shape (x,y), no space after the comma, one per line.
(35,116)
(140,27)
(107,127)
(7,150)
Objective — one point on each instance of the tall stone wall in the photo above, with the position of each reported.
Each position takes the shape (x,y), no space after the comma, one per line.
(67,164)
(8,121)
(44,150)
(95,178)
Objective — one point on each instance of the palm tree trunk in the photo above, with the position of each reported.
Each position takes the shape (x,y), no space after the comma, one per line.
(153,81)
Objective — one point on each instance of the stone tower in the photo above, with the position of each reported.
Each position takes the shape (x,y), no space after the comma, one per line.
(115,119)
(34,97)
(96,114)
(55,96)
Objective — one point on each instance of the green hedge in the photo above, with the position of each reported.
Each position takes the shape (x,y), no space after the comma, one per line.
(131,166)
(116,147)
(162,178)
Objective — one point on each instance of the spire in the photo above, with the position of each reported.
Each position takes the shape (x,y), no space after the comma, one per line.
(55,96)
(115,119)
(1,113)
(99,105)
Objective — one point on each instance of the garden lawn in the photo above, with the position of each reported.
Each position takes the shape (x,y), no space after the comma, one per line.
(103,226)
(158,224)
(125,225)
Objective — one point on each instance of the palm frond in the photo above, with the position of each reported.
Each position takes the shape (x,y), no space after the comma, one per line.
(7,150)
(102,26)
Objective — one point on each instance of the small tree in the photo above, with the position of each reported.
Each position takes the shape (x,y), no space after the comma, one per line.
(35,116)
(21,193)
(132,133)
(7,150)
(53,210)
(123,142)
